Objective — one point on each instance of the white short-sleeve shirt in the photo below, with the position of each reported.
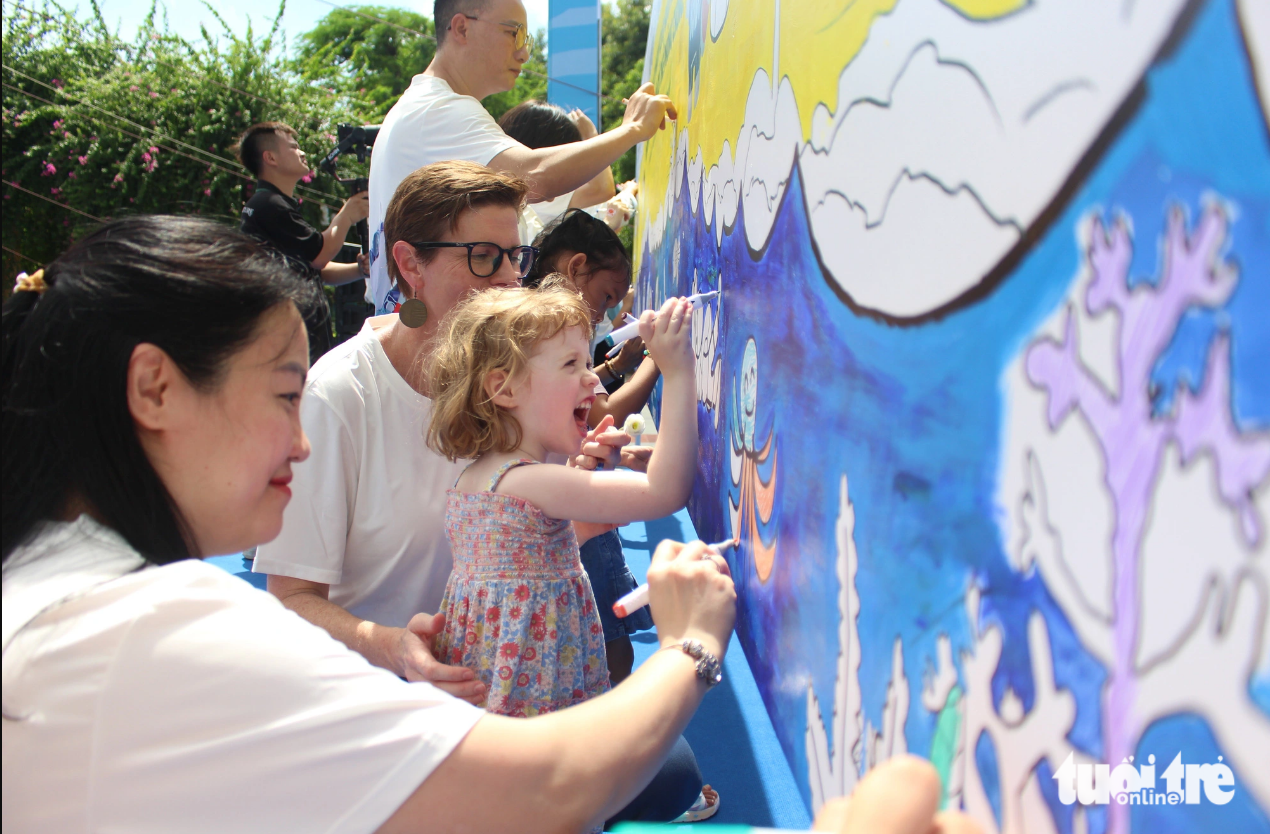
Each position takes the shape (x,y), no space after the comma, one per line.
(429,123)
(367,510)
(179,698)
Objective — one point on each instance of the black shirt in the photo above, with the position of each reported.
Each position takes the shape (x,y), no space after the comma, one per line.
(274,218)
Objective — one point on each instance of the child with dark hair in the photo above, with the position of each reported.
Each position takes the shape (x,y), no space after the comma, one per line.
(536,124)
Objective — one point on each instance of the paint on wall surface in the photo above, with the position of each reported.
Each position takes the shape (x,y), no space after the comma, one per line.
(986,395)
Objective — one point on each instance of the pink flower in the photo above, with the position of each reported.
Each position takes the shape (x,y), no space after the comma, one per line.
(174,89)
(83,160)
(211,111)
(118,177)
(72,175)
(146,156)
(57,82)
(153,94)
(49,170)
(133,88)
(58,124)
(153,149)
(66,134)
(66,222)
(55,191)
(207,192)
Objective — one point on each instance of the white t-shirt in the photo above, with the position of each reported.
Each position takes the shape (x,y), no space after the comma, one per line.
(549,211)
(367,510)
(178,698)
(429,123)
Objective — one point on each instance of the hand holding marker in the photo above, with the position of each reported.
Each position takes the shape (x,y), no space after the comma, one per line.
(631,330)
(638,598)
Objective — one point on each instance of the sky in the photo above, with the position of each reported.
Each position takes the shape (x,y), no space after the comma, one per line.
(185,16)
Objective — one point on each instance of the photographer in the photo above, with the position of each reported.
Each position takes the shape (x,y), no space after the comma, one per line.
(270,151)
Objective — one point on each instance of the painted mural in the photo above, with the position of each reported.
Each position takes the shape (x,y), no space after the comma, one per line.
(986,394)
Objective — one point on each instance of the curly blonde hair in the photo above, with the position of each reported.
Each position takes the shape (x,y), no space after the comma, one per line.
(494,330)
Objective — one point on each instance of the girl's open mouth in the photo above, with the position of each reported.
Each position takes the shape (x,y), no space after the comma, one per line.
(580,416)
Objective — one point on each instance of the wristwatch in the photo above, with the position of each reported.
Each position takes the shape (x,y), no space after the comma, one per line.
(707,664)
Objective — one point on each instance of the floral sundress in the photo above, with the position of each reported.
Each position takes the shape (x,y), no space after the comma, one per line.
(518,606)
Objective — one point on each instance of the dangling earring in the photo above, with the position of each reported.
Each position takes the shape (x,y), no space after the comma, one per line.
(412,312)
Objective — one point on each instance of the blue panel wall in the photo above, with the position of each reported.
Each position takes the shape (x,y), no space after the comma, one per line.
(573,56)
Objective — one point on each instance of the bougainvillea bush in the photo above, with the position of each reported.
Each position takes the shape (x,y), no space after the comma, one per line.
(96,127)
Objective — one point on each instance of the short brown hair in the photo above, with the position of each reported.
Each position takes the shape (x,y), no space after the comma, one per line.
(430,201)
(250,147)
(494,330)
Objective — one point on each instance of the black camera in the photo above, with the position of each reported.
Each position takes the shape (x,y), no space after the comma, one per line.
(351,309)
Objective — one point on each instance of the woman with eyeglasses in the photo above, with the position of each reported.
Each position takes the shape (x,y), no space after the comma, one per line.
(363,550)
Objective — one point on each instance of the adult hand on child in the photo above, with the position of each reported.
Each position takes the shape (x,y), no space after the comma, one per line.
(899,796)
(414,649)
(668,335)
(601,447)
(691,595)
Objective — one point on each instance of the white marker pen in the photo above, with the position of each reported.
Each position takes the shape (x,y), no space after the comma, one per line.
(630,331)
(638,598)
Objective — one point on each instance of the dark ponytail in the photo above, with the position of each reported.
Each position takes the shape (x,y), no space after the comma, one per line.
(190,286)
(573,232)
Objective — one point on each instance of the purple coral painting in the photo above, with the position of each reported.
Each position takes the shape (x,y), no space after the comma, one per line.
(1022,534)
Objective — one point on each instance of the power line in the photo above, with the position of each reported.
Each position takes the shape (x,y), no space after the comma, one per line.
(158,142)
(26,258)
(186,70)
(433,38)
(54,202)
(173,140)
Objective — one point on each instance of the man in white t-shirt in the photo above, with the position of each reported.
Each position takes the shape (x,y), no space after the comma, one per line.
(481,46)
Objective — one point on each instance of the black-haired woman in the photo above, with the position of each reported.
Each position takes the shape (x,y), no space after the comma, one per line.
(151,384)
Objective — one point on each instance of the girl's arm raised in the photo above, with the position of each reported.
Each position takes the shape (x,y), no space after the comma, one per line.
(622,497)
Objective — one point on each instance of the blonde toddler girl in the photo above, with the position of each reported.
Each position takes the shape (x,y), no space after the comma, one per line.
(512,383)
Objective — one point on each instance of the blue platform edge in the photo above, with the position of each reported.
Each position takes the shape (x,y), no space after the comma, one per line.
(731,733)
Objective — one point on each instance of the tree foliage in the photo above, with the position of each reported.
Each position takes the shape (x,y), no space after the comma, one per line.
(624,33)
(98,127)
(370,61)
(107,127)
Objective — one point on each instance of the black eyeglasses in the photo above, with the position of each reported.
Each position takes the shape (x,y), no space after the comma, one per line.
(484,259)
